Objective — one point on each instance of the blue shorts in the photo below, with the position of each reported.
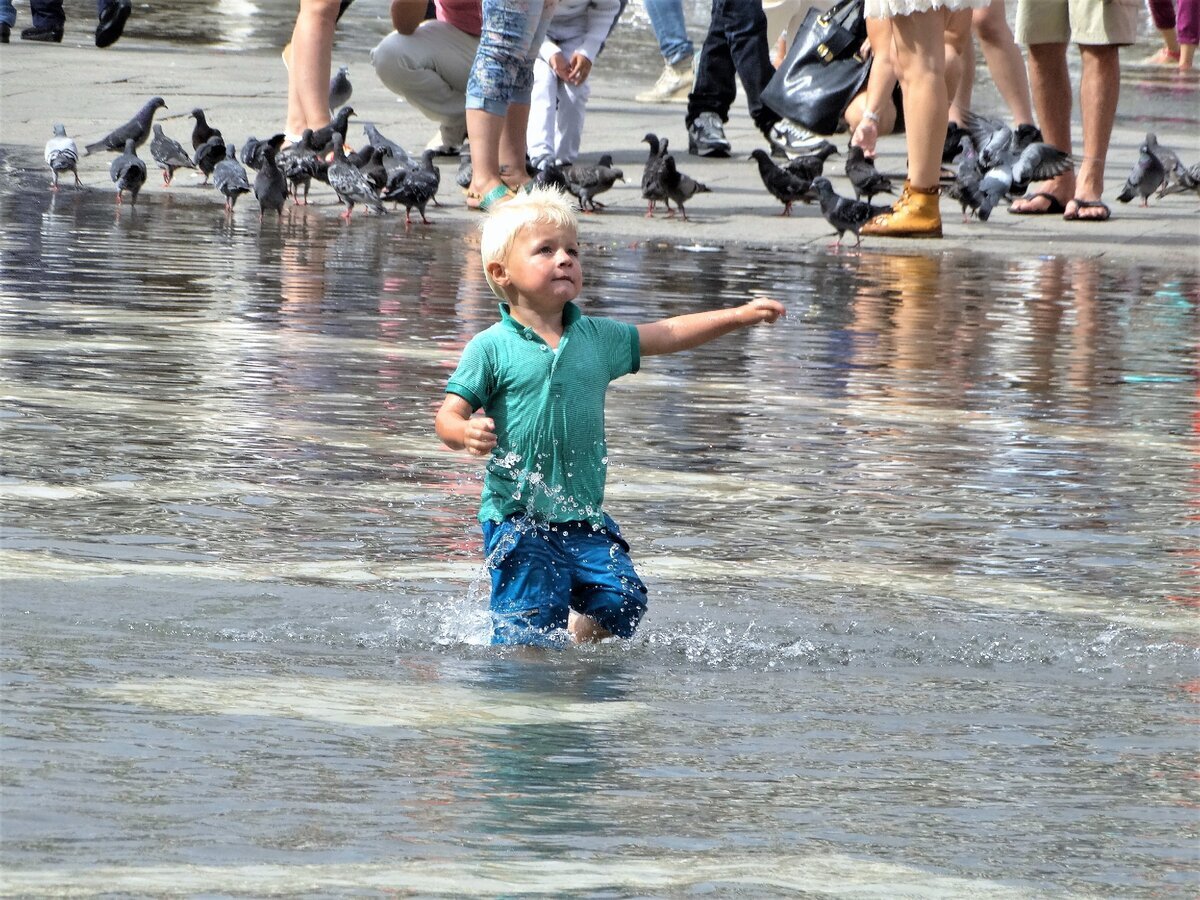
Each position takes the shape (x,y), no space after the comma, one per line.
(542,571)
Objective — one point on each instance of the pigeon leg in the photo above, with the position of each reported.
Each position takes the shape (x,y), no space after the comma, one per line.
(683,212)
(650,210)
(407,217)
(787,209)
(54,183)
(424,221)
(346,214)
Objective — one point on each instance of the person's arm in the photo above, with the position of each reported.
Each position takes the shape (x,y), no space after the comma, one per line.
(458,430)
(685,332)
(878,95)
(408,14)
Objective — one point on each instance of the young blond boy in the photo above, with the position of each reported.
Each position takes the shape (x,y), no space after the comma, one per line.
(540,375)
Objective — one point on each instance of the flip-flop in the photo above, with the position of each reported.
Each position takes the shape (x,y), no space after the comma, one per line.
(1088,204)
(501,193)
(1056,207)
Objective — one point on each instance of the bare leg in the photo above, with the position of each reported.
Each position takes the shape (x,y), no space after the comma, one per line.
(1099,87)
(485,132)
(512,145)
(1004,61)
(308,71)
(585,630)
(1051,83)
(921,65)
(966,85)
(1187,53)
(959,48)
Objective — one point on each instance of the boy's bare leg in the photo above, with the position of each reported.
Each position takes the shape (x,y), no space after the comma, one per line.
(585,630)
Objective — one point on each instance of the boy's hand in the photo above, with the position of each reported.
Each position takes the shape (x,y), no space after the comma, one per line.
(479,436)
(581,67)
(558,65)
(763,309)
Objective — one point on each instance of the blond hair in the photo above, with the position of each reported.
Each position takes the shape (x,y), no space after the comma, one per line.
(542,205)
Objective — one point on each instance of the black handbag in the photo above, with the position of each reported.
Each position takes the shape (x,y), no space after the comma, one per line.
(823,70)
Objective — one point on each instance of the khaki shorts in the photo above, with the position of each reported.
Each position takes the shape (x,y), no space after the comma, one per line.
(1104,22)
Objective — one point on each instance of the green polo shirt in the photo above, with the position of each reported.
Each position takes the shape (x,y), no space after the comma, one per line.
(550,459)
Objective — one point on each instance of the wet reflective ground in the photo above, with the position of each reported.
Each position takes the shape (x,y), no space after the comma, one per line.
(922,562)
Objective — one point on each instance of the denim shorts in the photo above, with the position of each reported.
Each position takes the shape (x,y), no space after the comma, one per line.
(512,35)
(542,571)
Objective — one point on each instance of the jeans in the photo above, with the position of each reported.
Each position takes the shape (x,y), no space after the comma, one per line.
(513,31)
(666,17)
(49,13)
(736,46)
(8,15)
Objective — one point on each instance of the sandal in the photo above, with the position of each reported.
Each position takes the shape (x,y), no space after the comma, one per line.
(1088,204)
(501,193)
(1056,207)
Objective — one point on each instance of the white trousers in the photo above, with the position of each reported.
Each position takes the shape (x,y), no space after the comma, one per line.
(556,110)
(429,68)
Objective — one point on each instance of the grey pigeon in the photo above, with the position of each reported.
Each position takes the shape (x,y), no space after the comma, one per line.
(62,156)
(350,184)
(864,176)
(990,137)
(843,213)
(414,187)
(230,178)
(209,154)
(369,161)
(270,184)
(1147,177)
(340,88)
(812,164)
(252,152)
(202,132)
(1004,159)
(395,154)
(1184,180)
(678,187)
(435,170)
(993,187)
(1037,162)
(301,165)
(652,187)
(1168,158)
(463,176)
(128,172)
(136,129)
(965,187)
(550,174)
(169,154)
(784,186)
(322,139)
(585,182)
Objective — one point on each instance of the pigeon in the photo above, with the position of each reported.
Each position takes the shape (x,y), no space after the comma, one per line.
(1037,162)
(340,88)
(652,187)
(965,187)
(994,186)
(784,186)
(369,161)
(229,177)
(62,156)
(1147,177)
(322,138)
(414,187)
(843,213)
(350,184)
(811,165)
(584,182)
(997,149)
(1185,180)
(136,129)
(128,172)
(169,154)
(550,174)
(202,132)
(301,165)
(463,176)
(679,187)
(991,138)
(864,176)
(430,166)
(1168,158)
(209,154)
(397,155)
(270,184)
(252,152)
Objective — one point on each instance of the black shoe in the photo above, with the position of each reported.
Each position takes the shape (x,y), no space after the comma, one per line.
(4,32)
(112,23)
(953,146)
(706,136)
(45,34)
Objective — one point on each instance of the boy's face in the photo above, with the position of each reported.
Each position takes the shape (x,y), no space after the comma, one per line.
(542,267)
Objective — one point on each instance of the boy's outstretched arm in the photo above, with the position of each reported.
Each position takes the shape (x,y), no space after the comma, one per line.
(459,431)
(685,332)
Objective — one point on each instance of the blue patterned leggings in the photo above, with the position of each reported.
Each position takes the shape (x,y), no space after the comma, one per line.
(513,31)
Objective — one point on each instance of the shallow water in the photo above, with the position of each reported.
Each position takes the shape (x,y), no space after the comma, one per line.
(922,562)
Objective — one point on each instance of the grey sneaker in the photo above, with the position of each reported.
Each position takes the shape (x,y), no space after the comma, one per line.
(791,140)
(706,136)
(673,85)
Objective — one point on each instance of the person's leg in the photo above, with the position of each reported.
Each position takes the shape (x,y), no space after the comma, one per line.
(308,74)
(572,109)
(958,46)
(429,69)
(1004,61)
(921,65)
(746,33)
(8,13)
(1188,29)
(961,101)
(543,109)
(1050,81)
(670,29)
(1162,13)
(47,14)
(1099,88)
(715,87)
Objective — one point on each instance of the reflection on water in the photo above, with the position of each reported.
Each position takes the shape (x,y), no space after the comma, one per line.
(922,564)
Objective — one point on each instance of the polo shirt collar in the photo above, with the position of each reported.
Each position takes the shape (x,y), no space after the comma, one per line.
(571,315)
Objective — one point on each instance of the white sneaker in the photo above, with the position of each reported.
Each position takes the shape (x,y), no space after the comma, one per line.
(673,85)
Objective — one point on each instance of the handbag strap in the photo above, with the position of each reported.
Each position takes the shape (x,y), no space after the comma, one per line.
(843,12)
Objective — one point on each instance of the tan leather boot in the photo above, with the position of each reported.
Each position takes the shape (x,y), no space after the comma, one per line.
(915,214)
